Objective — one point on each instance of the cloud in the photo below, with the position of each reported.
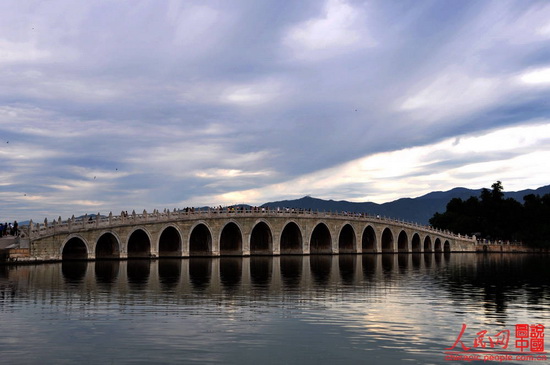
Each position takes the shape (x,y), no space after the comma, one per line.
(120,106)
(512,155)
(252,94)
(340,28)
(192,22)
(12,52)
(452,94)
(539,76)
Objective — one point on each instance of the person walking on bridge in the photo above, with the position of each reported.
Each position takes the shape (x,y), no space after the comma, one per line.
(15,230)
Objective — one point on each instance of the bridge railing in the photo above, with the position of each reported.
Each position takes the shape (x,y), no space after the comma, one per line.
(482,242)
(36,230)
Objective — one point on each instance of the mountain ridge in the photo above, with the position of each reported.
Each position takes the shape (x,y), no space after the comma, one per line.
(418,210)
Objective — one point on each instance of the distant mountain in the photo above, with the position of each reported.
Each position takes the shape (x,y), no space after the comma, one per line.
(418,210)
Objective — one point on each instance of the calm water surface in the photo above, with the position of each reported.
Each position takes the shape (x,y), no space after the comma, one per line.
(380,309)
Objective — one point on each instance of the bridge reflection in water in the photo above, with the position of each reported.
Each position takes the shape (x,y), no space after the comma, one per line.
(237,275)
(393,308)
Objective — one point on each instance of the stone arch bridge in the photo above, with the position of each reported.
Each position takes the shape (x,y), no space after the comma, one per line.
(225,232)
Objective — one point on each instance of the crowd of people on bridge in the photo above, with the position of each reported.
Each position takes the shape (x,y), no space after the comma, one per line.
(9,229)
(255,209)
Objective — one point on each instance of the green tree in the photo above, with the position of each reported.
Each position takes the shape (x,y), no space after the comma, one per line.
(536,220)
(491,216)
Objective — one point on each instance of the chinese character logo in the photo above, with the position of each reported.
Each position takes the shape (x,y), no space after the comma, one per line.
(529,338)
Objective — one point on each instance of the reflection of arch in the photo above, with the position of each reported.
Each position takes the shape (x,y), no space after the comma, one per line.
(402,242)
(403,262)
(139,244)
(73,271)
(291,239)
(428,260)
(427,244)
(320,268)
(200,241)
(106,272)
(437,245)
(107,247)
(261,239)
(369,263)
(260,272)
(200,272)
(321,241)
(291,270)
(347,265)
(368,240)
(169,272)
(387,240)
(230,272)
(346,240)
(387,265)
(170,242)
(138,272)
(231,240)
(416,243)
(447,247)
(75,249)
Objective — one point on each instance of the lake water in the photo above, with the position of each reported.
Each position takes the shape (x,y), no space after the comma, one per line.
(380,309)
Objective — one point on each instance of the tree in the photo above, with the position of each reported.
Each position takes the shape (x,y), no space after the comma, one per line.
(491,216)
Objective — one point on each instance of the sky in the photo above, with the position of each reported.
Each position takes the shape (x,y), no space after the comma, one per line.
(130,105)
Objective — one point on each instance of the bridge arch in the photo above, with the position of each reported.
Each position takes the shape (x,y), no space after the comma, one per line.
(321,239)
(437,245)
(231,239)
(447,246)
(346,239)
(139,243)
(200,240)
(368,239)
(170,242)
(107,246)
(402,242)
(75,247)
(261,239)
(291,239)
(387,240)
(416,243)
(427,244)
